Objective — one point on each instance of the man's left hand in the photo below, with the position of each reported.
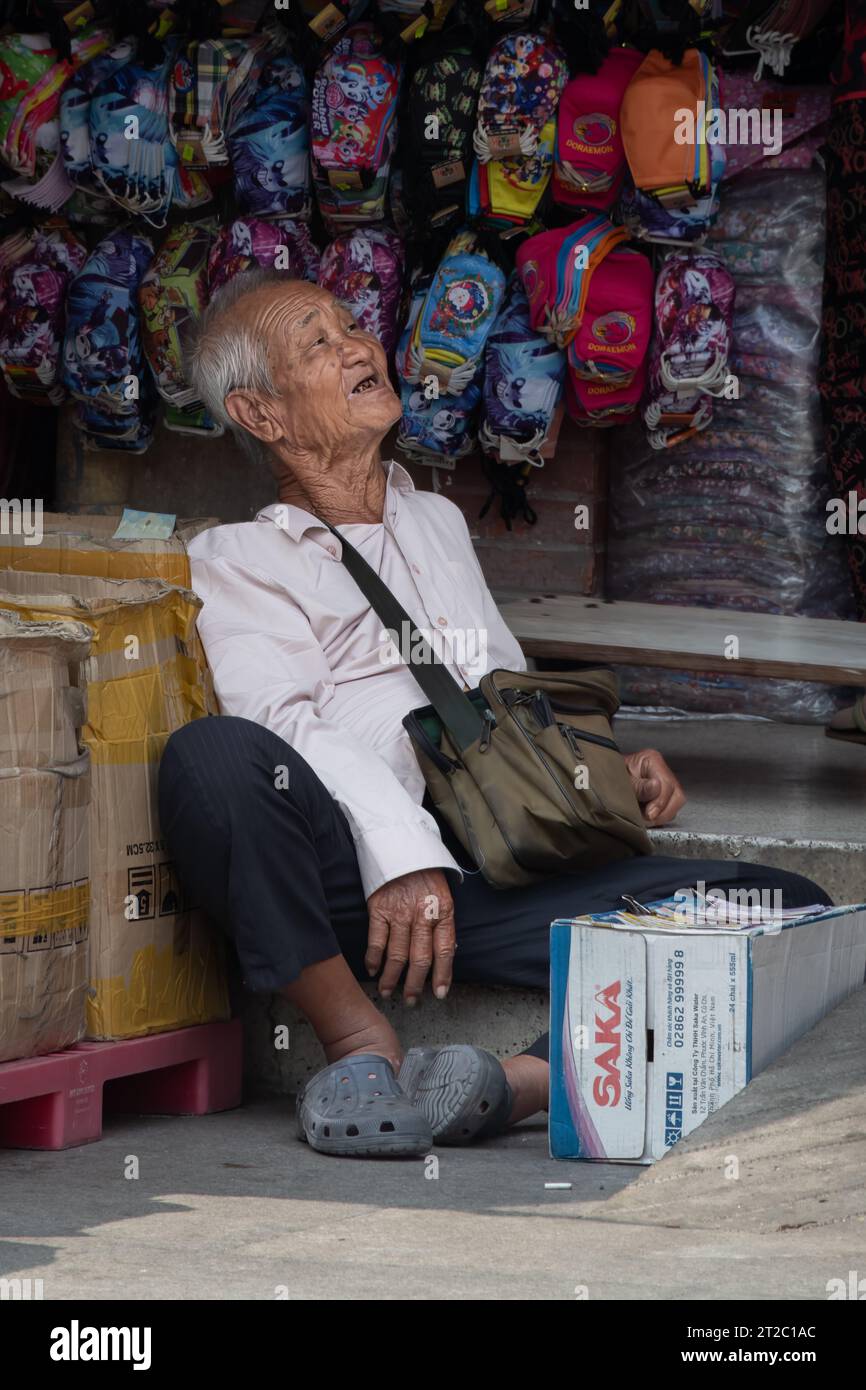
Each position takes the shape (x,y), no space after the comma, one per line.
(659,794)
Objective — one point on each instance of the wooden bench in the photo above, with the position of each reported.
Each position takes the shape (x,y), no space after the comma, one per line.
(687,639)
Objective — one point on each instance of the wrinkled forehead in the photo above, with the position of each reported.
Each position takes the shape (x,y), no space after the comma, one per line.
(281,313)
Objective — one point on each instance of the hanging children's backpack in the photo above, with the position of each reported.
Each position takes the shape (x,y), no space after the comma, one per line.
(440,120)
(173,295)
(104,367)
(590,157)
(557,269)
(456,316)
(354,128)
(35,269)
(132,158)
(523,383)
(694,303)
(675,170)
(613,338)
(504,194)
(436,428)
(520,91)
(269,144)
(283,245)
(364,270)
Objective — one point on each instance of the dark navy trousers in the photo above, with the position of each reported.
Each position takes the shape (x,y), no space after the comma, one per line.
(275,866)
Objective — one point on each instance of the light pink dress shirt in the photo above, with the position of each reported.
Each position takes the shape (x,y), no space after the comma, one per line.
(294,645)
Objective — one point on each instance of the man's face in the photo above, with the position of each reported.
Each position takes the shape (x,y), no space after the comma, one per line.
(331,378)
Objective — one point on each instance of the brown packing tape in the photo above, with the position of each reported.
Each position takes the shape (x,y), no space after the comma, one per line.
(84,545)
(44,863)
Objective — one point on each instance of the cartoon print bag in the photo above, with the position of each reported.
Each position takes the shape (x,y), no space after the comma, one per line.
(523,81)
(172,295)
(104,366)
(458,313)
(364,270)
(283,244)
(269,144)
(35,269)
(523,382)
(434,429)
(441,110)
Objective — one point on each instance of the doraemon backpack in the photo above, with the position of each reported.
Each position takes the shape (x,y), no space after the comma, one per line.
(557,268)
(104,368)
(269,144)
(456,317)
(173,295)
(523,383)
(590,158)
(364,270)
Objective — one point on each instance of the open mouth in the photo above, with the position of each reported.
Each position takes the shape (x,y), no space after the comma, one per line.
(367,383)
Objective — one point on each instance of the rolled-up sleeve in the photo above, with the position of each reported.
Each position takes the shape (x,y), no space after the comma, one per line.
(267,666)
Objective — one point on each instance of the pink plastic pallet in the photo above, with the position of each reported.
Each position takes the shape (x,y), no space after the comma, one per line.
(57,1101)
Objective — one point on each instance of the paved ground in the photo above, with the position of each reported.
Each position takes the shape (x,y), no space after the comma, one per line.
(231,1206)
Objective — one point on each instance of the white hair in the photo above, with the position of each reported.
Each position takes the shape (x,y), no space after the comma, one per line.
(227,355)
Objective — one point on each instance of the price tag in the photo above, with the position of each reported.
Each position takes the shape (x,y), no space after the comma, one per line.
(327,21)
(451,171)
(345,178)
(505,145)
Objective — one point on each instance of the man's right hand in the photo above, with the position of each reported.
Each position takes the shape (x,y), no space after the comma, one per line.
(412,922)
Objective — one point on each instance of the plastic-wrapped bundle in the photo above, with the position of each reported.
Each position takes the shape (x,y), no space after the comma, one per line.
(736,517)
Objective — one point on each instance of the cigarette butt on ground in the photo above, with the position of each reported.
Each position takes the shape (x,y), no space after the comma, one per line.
(557,1186)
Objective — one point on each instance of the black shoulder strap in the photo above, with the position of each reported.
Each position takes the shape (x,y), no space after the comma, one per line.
(458,714)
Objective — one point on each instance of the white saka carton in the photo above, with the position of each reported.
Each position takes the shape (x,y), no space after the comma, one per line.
(653,1027)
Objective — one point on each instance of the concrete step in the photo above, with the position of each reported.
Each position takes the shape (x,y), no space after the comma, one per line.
(777,794)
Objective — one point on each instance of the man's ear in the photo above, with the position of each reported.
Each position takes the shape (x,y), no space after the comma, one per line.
(255,415)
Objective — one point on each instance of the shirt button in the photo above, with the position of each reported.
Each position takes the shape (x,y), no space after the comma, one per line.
(415,569)
(331,550)
(443,622)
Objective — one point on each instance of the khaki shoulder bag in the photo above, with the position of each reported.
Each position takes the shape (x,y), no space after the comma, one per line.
(524,769)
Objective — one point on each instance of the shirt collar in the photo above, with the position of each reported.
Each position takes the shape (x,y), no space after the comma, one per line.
(296,522)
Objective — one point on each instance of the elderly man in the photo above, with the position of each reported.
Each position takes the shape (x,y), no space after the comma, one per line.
(298,819)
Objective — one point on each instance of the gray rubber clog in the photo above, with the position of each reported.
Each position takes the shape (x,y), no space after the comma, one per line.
(463,1091)
(355,1108)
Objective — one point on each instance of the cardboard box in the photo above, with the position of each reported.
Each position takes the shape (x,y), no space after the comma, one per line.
(44,813)
(155,961)
(653,1030)
(85,545)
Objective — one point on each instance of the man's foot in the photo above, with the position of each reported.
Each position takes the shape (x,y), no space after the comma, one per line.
(463,1091)
(354,1108)
(529,1079)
